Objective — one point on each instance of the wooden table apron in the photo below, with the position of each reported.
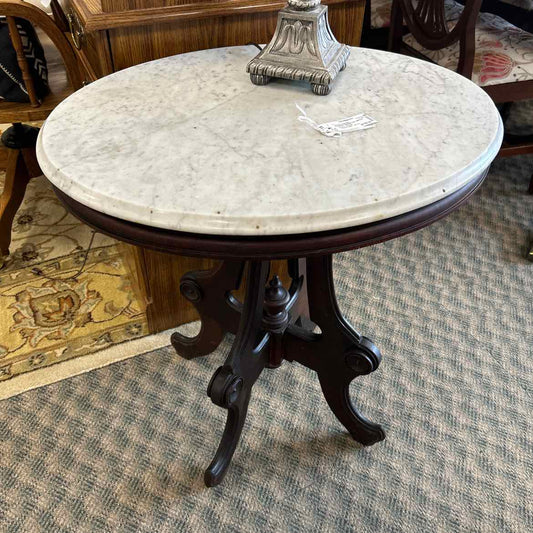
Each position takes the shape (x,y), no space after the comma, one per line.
(302,323)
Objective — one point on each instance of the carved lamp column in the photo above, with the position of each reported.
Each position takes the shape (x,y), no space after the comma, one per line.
(303,48)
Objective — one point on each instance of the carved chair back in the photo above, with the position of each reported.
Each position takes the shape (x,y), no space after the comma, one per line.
(426,21)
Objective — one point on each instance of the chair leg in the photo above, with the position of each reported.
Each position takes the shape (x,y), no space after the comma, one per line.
(18,174)
(30,160)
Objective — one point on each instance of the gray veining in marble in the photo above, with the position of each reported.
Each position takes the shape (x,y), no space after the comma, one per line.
(188,143)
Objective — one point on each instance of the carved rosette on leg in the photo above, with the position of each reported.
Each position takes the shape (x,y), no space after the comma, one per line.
(303,48)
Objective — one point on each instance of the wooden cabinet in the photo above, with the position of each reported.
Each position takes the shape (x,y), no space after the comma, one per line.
(114,34)
(110,35)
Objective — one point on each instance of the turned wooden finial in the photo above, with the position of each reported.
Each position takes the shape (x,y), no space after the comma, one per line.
(276,315)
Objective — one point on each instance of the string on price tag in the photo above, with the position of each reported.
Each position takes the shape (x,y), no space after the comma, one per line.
(338,127)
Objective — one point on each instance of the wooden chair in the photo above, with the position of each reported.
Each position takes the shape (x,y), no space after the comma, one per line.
(377,21)
(481,46)
(20,139)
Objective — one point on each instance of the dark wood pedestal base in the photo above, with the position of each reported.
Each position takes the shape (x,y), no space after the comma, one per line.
(302,323)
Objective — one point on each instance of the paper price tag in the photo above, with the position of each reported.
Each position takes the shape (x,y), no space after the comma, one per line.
(338,127)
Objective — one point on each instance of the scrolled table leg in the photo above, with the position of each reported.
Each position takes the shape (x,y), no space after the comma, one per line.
(232,383)
(338,354)
(361,359)
(208,291)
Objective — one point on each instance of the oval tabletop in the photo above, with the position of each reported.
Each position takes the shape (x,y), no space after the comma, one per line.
(188,143)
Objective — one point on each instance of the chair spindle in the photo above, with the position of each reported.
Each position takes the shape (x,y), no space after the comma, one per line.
(22,61)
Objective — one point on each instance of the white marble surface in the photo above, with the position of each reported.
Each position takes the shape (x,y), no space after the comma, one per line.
(188,143)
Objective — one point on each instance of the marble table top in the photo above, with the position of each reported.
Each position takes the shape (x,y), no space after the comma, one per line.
(188,143)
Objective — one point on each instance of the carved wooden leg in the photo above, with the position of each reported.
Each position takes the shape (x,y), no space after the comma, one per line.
(338,354)
(209,292)
(272,326)
(232,383)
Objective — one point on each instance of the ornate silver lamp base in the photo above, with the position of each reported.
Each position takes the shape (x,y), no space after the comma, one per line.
(303,48)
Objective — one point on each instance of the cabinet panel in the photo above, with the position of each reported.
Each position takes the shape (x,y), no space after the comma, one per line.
(133,45)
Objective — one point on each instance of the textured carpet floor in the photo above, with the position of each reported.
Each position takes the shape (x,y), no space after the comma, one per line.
(122,449)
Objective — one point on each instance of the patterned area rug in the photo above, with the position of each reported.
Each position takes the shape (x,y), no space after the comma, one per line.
(123,448)
(49,311)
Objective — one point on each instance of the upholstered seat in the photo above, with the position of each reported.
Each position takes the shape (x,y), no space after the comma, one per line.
(503,53)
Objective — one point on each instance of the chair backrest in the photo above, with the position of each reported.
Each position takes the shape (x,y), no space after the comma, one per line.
(18,9)
(426,21)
